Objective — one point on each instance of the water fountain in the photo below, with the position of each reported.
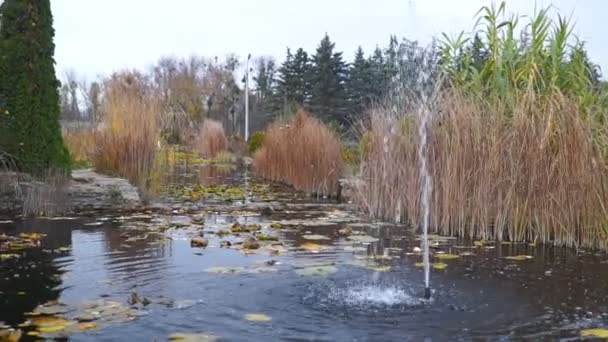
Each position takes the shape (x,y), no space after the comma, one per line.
(424,116)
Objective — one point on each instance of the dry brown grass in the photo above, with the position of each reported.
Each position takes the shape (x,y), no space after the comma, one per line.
(304,153)
(127,141)
(531,174)
(211,139)
(80,141)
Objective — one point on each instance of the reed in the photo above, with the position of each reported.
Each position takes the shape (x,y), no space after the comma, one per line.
(128,138)
(304,153)
(211,139)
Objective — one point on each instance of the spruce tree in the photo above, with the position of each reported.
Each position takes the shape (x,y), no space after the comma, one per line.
(329,73)
(29,126)
(359,82)
(378,79)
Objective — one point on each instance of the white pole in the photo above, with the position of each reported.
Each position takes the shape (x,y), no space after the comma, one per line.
(247,100)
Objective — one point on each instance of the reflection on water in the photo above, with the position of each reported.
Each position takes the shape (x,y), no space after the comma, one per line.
(327,286)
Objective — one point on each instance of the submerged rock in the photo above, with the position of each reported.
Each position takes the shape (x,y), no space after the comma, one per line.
(199,242)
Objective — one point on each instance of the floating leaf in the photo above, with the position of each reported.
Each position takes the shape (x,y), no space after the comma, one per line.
(315,237)
(317,271)
(10,335)
(363,238)
(311,246)
(258,317)
(225,270)
(446,256)
(87,326)
(380,268)
(188,337)
(597,332)
(435,265)
(519,257)
(7,256)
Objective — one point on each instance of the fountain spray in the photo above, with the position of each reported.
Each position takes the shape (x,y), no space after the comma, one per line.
(424,116)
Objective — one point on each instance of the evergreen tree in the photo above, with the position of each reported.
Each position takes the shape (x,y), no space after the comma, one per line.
(378,81)
(359,82)
(29,127)
(328,77)
(301,77)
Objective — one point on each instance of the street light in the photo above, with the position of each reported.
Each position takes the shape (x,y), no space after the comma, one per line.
(247,100)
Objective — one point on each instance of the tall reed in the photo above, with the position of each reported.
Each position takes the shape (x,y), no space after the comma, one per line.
(211,139)
(529,173)
(304,153)
(127,141)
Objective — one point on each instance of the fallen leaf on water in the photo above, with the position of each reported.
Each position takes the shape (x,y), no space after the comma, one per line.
(311,246)
(435,265)
(380,268)
(519,257)
(446,256)
(189,337)
(363,238)
(258,317)
(314,271)
(87,326)
(597,332)
(225,270)
(315,237)
(7,256)
(10,335)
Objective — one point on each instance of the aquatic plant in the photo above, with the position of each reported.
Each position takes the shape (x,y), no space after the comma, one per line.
(127,141)
(211,139)
(304,153)
(255,141)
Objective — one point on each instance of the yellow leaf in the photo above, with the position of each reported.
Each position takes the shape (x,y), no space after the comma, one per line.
(597,332)
(33,333)
(51,328)
(258,317)
(311,246)
(381,268)
(439,265)
(445,256)
(10,335)
(519,257)
(87,326)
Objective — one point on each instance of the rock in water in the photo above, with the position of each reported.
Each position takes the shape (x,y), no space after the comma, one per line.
(251,243)
(199,242)
(348,230)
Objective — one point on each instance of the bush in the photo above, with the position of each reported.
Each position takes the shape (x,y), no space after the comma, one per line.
(211,139)
(304,153)
(128,138)
(255,141)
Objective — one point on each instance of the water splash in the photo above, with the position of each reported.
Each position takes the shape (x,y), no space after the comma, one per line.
(424,116)
(372,295)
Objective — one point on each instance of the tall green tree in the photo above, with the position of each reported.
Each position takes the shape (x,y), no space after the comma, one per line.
(329,74)
(29,127)
(293,82)
(359,83)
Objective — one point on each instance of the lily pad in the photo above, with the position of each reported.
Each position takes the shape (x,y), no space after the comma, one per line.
(380,268)
(258,317)
(189,337)
(315,237)
(519,257)
(87,326)
(10,335)
(435,265)
(317,271)
(311,246)
(363,238)
(596,332)
(446,256)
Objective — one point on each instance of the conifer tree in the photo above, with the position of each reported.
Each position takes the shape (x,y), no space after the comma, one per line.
(329,73)
(29,126)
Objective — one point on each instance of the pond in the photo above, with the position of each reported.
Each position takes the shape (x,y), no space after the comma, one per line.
(331,275)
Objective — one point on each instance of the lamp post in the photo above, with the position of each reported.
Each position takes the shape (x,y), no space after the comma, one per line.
(247,100)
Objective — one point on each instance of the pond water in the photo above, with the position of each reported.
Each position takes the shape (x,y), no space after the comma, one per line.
(136,277)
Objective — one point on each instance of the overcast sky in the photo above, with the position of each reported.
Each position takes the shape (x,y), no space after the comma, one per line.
(96,37)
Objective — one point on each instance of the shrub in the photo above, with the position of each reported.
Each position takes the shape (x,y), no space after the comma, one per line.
(255,141)
(304,153)
(127,141)
(211,139)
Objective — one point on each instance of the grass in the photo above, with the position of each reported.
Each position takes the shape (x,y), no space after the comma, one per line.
(211,139)
(304,153)
(81,144)
(127,141)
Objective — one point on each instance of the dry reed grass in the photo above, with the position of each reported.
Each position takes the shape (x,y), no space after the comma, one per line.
(211,139)
(304,153)
(127,140)
(80,142)
(528,174)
